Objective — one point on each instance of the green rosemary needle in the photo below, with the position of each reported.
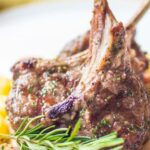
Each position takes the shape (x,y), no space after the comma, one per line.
(52,138)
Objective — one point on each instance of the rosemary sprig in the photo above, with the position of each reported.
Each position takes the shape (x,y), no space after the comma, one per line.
(51,138)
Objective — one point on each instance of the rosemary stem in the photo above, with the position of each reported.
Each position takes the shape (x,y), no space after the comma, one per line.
(28,124)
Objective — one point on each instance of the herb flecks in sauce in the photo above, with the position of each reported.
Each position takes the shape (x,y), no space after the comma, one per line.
(49,88)
(104,122)
(58,69)
(30,89)
(130,93)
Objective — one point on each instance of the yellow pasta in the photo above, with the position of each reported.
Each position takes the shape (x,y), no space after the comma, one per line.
(3,112)
(4,128)
(5,86)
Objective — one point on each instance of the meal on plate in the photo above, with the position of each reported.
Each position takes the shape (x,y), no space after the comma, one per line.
(93,96)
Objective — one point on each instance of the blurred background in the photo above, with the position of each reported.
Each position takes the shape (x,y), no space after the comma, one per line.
(40,28)
(4,4)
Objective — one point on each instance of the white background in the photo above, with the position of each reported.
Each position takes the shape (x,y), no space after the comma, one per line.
(41,30)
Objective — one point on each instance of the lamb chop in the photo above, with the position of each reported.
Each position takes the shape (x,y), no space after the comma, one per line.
(81,44)
(110,95)
(40,84)
(139,60)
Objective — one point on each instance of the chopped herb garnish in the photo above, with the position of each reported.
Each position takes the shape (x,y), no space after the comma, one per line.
(49,88)
(130,93)
(104,122)
(60,69)
(118,78)
(108,98)
(108,62)
(134,128)
(34,104)
(30,89)
(82,112)
(69,91)
(94,130)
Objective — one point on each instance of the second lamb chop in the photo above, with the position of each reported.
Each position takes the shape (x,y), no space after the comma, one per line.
(139,60)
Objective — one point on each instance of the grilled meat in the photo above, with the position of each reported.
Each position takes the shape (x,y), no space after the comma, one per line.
(39,83)
(138,58)
(98,85)
(81,43)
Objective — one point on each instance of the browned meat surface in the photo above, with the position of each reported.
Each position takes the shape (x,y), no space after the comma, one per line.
(110,94)
(138,57)
(39,83)
(81,43)
(99,85)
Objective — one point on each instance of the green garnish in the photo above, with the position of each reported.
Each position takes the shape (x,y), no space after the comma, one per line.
(51,138)
(130,93)
(2,148)
(75,130)
(59,69)
(50,87)
(30,89)
(104,122)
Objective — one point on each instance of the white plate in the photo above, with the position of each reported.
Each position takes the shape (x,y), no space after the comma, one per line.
(41,30)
